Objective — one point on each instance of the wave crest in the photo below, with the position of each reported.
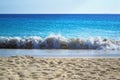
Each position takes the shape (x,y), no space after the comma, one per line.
(58,42)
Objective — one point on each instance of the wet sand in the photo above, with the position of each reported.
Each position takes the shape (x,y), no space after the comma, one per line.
(34,68)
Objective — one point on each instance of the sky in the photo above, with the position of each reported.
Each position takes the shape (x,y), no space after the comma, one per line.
(59,6)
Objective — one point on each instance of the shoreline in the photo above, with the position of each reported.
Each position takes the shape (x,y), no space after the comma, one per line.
(61,53)
(41,68)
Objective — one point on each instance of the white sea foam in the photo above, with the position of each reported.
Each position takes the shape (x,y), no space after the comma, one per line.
(58,42)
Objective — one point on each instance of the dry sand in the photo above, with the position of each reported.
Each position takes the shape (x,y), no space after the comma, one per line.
(32,68)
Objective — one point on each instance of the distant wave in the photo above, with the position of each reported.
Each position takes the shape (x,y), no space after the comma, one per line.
(58,42)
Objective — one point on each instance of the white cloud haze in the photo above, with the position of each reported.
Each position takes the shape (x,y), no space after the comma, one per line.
(59,6)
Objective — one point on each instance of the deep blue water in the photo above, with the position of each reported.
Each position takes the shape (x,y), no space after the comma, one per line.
(68,25)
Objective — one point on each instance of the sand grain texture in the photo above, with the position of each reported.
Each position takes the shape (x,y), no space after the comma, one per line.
(32,68)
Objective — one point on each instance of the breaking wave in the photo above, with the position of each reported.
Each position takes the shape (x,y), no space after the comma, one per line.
(58,42)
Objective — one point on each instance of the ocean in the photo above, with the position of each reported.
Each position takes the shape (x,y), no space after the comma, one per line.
(60,31)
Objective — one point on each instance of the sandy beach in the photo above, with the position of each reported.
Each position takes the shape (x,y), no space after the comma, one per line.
(34,68)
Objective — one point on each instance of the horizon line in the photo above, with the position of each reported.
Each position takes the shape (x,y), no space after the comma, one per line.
(56,13)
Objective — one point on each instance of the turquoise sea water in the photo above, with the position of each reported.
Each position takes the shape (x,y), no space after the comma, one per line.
(60,31)
(68,25)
